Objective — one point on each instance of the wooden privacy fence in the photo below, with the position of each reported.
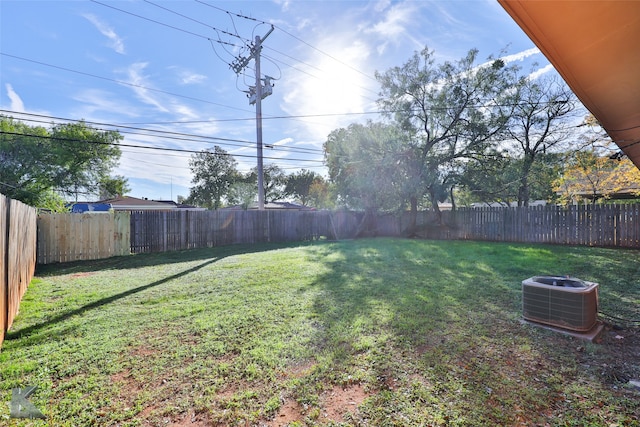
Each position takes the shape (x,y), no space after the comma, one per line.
(582,225)
(18,257)
(64,237)
(176,230)
(70,237)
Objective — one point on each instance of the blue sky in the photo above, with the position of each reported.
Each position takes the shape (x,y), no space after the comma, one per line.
(159,71)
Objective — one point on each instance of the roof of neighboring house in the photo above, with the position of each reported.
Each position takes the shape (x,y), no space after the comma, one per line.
(594,47)
(127,203)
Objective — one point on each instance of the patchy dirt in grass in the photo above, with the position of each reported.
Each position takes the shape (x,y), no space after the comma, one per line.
(339,401)
(190,419)
(154,412)
(334,405)
(85,274)
(289,412)
(612,359)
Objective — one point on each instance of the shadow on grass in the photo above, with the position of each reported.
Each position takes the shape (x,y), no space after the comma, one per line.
(210,255)
(101,302)
(413,288)
(447,315)
(157,258)
(420,292)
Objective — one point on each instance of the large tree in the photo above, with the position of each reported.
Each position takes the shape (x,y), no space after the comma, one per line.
(538,125)
(113,186)
(274,181)
(496,178)
(68,159)
(299,185)
(365,165)
(451,111)
(214,172)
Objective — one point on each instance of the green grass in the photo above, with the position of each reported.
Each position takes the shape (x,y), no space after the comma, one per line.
(380,332)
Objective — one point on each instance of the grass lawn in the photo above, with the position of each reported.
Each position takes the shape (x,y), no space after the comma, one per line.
(374,332)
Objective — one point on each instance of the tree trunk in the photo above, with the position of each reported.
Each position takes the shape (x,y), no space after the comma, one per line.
(434,204)
(453,199)
(413,217)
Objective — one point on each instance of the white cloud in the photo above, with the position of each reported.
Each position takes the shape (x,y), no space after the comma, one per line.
(394,25)
(115,42)
(520,56)
(188,78)
(284,4)
(381,5)
(16,102)
(539,72)
(139,85)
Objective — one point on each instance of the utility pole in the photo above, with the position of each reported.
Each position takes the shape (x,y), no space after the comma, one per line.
(259,92)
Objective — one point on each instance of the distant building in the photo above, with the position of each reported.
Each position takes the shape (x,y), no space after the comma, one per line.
(127,203)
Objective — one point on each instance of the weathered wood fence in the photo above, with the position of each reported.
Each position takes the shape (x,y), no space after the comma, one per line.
(17,257)
(175,230)
(64,237)
(69,237)
(581,225)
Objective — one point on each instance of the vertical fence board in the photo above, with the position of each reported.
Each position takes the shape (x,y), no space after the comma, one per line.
(18,243)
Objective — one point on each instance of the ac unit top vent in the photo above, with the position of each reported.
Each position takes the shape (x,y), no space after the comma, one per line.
(563,283)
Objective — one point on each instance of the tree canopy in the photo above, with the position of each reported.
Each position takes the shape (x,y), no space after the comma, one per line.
(590,177)
(483,129)
(365,164)
(69,160)
(450,111)
(538,124)
(214,172)
(299,185)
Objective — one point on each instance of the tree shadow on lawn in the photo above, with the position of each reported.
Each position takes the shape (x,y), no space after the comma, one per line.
(133,261)
(451,311)
(412,288)
(415,287)
(209,256)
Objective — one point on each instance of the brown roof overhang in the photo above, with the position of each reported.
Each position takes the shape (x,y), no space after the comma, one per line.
(595,46)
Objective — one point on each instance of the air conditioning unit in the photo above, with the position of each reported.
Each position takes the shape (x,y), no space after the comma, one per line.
(563,302)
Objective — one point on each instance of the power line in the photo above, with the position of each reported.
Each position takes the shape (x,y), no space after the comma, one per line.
(515,104)
(295,59)
(167,134)
(290,35)
(267,117)
(236,35)
(176,150)
(151,20)
(121,82)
